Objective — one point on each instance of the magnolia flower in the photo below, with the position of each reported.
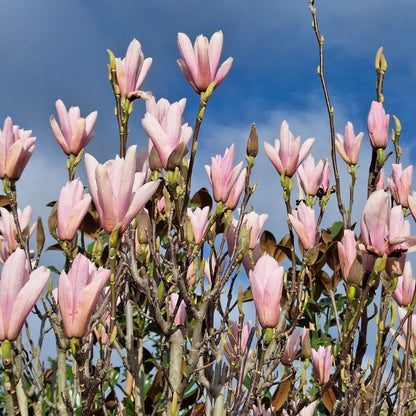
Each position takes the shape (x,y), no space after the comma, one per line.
(347,253)
(167,132)
(132,70)
(253,223)
(287,153)
(400,183)
(118,191)
(180,316)
(236,343)
(75,131)
(16,148)
(406,286)
(349,145)
(226,179)
(8,230)
(19,291)
(266,281)
(378,125)
(292,345)
(78,294)
(200,63)
(304,222)
(73,204)
(199,221)
(312,177)
(322,363)
(402,313)
(385,231)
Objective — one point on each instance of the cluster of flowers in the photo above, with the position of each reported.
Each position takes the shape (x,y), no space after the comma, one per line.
(120,189)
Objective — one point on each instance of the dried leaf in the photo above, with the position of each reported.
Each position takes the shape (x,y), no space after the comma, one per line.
(281,394)
(202,198)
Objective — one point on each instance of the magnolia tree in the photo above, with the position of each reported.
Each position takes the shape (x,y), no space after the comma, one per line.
(151,311)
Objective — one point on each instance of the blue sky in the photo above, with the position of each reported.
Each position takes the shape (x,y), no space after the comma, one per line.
(54,50)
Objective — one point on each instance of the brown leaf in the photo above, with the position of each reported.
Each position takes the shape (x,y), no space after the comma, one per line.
(329,398)
(202,198)
(40,236)
(281,394)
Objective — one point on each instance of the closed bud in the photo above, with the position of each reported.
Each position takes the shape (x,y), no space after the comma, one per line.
(252,148)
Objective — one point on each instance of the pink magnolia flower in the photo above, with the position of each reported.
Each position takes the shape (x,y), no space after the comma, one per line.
(78,294)
(304,222)
(322,363)
(250,261)
(266,281)
(349,145)
(180,316)
(400,183)
(253,223)
(19,291)
(378,125)
(8,230)
(260,411)
(347,253)
(380,180)
(212,271)
(402,313)
(292,345)
(75,131)
(166,130)
(234,344)
(287,153)
(406,286)
(385,231)
(411,202)
(16,148)
(200,63)
(308,410)
(314,177)
(72,206)
(132,70)
(199,222)
(226,179)
(118,191)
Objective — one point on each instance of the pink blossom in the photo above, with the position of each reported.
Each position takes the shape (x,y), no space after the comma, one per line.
(322,363)
(199,222)
(73,204)
(385,231)
(349,145)
(8,230)
(378,125)
(380,180)
(314,177)
(234,344)
(411,201)
(211,271)
(260,411)
(402,313)
(292,345)
(400,183)
(304,222)
(227,180)
(75,131)
(78,294)
(118,191)
(166,130)
(253,223)
(250,261)
(347,253)
(287,153)
(266,281)
(132,70)
(200,63)
(406,286)
(19,291)
(16,148)
(180,316)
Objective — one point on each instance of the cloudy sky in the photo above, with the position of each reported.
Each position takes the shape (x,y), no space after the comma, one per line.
(54,50)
